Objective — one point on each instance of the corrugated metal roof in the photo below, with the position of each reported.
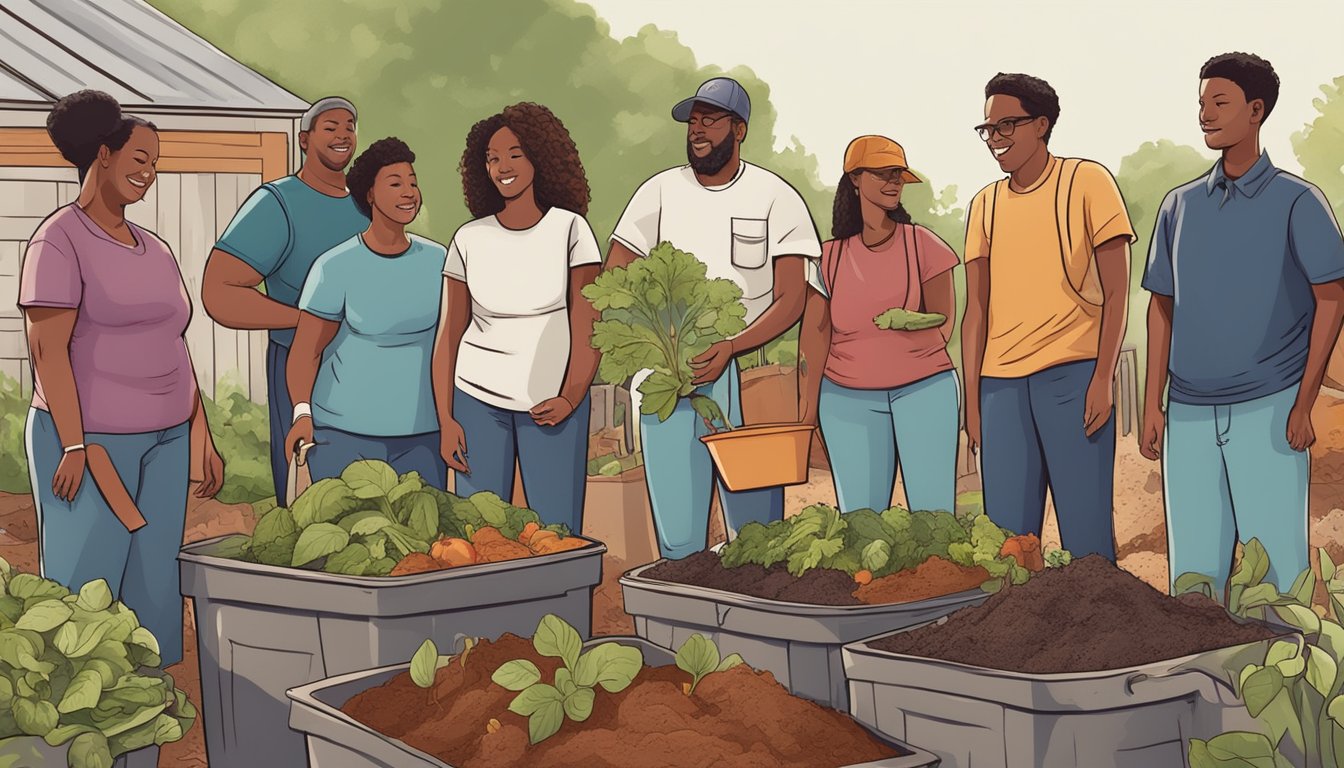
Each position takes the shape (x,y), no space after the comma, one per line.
(49,48)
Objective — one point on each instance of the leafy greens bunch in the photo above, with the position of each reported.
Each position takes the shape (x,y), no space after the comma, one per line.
(365,521)
(78,668)
(658,314)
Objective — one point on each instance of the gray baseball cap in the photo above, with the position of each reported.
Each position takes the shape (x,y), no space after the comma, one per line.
(325,105)
(723,92)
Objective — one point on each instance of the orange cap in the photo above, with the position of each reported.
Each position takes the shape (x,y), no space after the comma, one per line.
(877,152)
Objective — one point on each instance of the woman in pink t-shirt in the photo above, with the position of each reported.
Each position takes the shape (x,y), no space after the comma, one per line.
(883,397)
(105,311)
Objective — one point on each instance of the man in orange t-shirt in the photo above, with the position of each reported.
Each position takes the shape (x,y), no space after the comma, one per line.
(1047,284)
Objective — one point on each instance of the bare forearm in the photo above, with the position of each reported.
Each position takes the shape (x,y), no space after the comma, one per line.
(582,369)
(972,351)
(779,317)
(1325,329)
(443,369)
(301,373)
(247,309)
(814,342)
(1159,350)
(58,387)
(1114,312)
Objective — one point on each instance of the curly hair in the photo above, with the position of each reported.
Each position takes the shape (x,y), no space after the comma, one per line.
(1037,96)
(364,170)
(560,179)
(847,216)
(1253,75)
(82,122)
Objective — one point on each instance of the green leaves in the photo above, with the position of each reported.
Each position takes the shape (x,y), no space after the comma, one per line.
(555,638)
(351,561)
(318,540)
(901,319)
(699,656)
(610,665)
(1235,749)
(1254,565)
(91,750)
(35,718)
(95,596)
(84,692)
(44,616)
(1260,689)
(370,479)
(424,664)
(516,675)
(876,555)
(543,706)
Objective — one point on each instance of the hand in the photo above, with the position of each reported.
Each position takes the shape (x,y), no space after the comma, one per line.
(453,446)
(69,475)
(299,434)
(1301,436)
(972,428)
(1099,404)
(1154,424)
(549,413)
(212,472)
(710,365)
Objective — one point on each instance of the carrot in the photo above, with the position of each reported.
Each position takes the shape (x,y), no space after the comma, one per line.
(528,530)
(1026,550)
(863,577)
(417,562)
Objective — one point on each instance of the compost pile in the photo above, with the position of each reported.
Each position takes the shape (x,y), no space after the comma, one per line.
(823,557)
(1088,616)
(372,522)
(735,717)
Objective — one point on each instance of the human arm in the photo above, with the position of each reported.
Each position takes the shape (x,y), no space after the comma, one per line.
(203,443)
(583,358)
(1160,281)
(786,307)
(814,344)
(974,323)
(322,310)
(1314,239)
(1113,273)
(49,330)
(252,247)
(454,317)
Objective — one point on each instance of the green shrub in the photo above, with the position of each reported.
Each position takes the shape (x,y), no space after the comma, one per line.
(13,456)
(241,429)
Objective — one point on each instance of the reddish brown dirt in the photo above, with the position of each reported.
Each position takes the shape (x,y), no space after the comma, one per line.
(932,578)
(739,717)
(1085,617)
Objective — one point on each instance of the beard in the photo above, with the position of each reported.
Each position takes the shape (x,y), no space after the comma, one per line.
(718,156)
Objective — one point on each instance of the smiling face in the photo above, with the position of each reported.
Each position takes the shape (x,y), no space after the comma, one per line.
(712,136)
(130,171)
(1225,117)
(882,187)
(395,193)
(332,139)
(507,165)
(1012,152)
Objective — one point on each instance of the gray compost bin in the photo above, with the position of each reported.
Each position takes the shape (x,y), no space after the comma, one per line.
(262,630)
(799,643)
(336,740)
(975,717)
(33,752)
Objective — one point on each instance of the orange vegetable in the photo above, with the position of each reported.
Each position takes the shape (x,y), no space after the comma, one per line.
(863,577)
(551,544)
(416,562)
(535,539)
(486,534)
(528,530)
(1026,550)
(492,551)
(453,552)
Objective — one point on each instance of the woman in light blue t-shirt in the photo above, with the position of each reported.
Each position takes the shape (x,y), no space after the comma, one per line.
(359,367)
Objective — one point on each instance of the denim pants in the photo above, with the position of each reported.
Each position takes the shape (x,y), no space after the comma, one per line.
(1230,475)
(281,412)
(82,540)
(553,460)
(866,429)
(680,475)
(335,450)
(1032,436)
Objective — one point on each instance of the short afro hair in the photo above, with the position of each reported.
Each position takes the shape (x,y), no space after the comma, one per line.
(560,179)
(364,170)
(1036,95)
(1253,75)
(82,122)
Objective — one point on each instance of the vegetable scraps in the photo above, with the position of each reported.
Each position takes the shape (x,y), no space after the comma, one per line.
(658,314)
(372,522)
(901,319)
(78,668)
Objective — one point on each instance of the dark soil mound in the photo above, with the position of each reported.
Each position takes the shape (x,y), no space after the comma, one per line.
(819,586)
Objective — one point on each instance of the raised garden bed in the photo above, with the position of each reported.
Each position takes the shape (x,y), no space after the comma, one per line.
(633,719)
(1083,665)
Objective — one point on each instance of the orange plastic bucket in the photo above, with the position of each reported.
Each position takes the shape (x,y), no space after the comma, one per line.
(763,456)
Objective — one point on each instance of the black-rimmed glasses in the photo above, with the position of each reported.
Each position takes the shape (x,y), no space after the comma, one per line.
(1004,127)
(708,121)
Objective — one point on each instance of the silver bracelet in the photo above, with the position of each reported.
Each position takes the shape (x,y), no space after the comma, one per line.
(75,447)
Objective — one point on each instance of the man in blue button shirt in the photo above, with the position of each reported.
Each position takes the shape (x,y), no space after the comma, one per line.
(1245,273)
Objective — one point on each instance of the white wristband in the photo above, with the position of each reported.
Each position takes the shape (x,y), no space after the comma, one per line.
(75,447)
(301,410)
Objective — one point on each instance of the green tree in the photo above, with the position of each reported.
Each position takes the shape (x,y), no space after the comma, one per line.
(1320,145)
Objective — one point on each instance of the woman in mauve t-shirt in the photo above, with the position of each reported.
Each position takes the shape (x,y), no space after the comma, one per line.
(105,310)
(883,397)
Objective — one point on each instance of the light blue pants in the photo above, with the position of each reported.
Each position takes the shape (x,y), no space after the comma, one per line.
(1229,475)
(337,450)
(552,460)
(82,541)
(864,430)
(680,475)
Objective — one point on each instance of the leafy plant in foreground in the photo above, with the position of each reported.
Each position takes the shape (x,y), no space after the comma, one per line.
(427,662)
(609,665)
(698,657)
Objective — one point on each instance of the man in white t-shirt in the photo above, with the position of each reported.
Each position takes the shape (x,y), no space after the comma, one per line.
(749,226)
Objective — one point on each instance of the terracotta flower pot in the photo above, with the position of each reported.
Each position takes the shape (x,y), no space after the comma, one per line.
(763,456)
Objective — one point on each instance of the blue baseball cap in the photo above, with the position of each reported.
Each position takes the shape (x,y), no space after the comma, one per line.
(723,92)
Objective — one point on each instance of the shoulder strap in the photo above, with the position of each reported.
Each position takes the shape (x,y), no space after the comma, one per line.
(993,209)
(914,287)
(837,250)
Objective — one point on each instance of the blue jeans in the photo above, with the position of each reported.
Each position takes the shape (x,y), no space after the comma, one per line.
(864,429)
(281,412)
(553,460)
(1032,437)
(1229,474)
(82,541)
(337,450)
(680,475)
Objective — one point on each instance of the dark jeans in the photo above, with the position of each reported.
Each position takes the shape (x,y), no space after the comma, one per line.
(1032,437)
(337,450)
(282,414)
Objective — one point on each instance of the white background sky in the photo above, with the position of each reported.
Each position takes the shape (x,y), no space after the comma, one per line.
(915,70)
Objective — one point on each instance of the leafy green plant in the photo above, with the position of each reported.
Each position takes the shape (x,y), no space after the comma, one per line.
(241,430)
(546,705)
(78,668)
(427,662)
(699,656)
(1058,558)
(658,314)
(901,319)
(14,406)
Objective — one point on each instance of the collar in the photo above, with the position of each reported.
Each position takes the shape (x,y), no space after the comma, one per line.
(1250,184)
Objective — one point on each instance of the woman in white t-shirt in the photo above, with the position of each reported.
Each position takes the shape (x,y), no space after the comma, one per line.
(513,360)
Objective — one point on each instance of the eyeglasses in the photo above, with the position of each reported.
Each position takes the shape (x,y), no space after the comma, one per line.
(1004,127)
(887,175)
(708,121)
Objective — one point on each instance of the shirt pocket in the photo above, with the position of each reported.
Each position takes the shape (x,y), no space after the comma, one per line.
(749,243)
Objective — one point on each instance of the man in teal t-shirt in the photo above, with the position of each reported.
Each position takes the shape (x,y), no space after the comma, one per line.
(275,237)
